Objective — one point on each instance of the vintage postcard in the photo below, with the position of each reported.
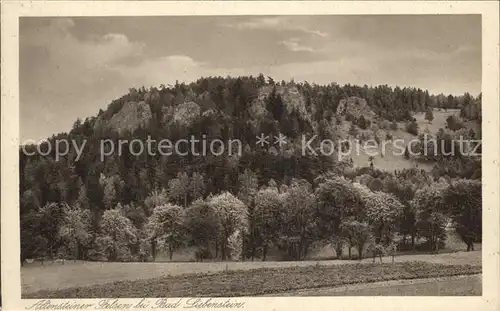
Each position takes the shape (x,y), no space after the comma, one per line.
(250,155)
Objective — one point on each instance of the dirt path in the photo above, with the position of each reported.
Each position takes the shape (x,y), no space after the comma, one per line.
(35,277)
(466,285)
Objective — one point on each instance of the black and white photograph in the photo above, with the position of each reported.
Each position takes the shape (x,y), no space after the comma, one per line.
(212,156)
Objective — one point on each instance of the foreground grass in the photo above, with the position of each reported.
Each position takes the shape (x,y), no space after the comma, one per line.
(36,277)
(471,286)
(259,281)
(462,285)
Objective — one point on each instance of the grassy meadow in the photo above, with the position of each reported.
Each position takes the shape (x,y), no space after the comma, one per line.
(91,277)
(260,281)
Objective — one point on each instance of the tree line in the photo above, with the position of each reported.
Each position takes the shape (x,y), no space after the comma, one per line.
(292,218)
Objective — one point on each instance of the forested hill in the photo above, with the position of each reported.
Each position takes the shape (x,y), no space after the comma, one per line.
(242,108)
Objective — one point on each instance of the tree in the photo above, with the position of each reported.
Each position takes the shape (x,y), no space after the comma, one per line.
(356,234)
(376,184)
(233,216)
(261,80)
(363,123)
(337,200)
(407,153)
(167,224)
(202,224)
(370,159)
(412,127)
(472,134)
(154,199)
(450,103)
(117,235)
(75,231)
(376,129)
(95,195)
(235,245)
(50,218)
(82,199)
(431,221)
(267,207)
(364,179)
(453,123)
(463,199)
(136,214)
(248,186)
(353,131)
(33,241)
(275,105)
(197,186)
(178,188)
(29,201)
(404,190)
(383,210)
(428,146)
(109,185)
(298,220)
(429,116)
(109,195)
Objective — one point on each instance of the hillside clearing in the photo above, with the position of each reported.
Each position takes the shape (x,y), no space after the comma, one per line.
(393,158)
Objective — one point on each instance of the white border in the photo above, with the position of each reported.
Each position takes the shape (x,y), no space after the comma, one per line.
(11,285)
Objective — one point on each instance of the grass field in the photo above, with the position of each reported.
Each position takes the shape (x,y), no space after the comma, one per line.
(55,276)
(260,281)
(463,285)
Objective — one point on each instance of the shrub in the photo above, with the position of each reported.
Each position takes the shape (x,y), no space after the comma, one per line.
(412,128)
(353,131)
(384,125)
(362,123)
(349,117)
(376,184)
(96,255)
(203,253)
(423,246)
(429,116)
(453,123)
(338,120)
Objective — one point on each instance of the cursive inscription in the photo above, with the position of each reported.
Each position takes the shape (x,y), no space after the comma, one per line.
(160,303)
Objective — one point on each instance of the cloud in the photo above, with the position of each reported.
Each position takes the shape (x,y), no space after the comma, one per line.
(315,32)
(166,70)
(277,23)
(65,49)
(295,46)
(62,77)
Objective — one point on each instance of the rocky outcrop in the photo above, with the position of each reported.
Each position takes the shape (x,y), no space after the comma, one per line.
(186,113)
(356,107)
(130,117)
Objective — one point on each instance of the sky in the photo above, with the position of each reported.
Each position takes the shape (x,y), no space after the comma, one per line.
(72,67)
